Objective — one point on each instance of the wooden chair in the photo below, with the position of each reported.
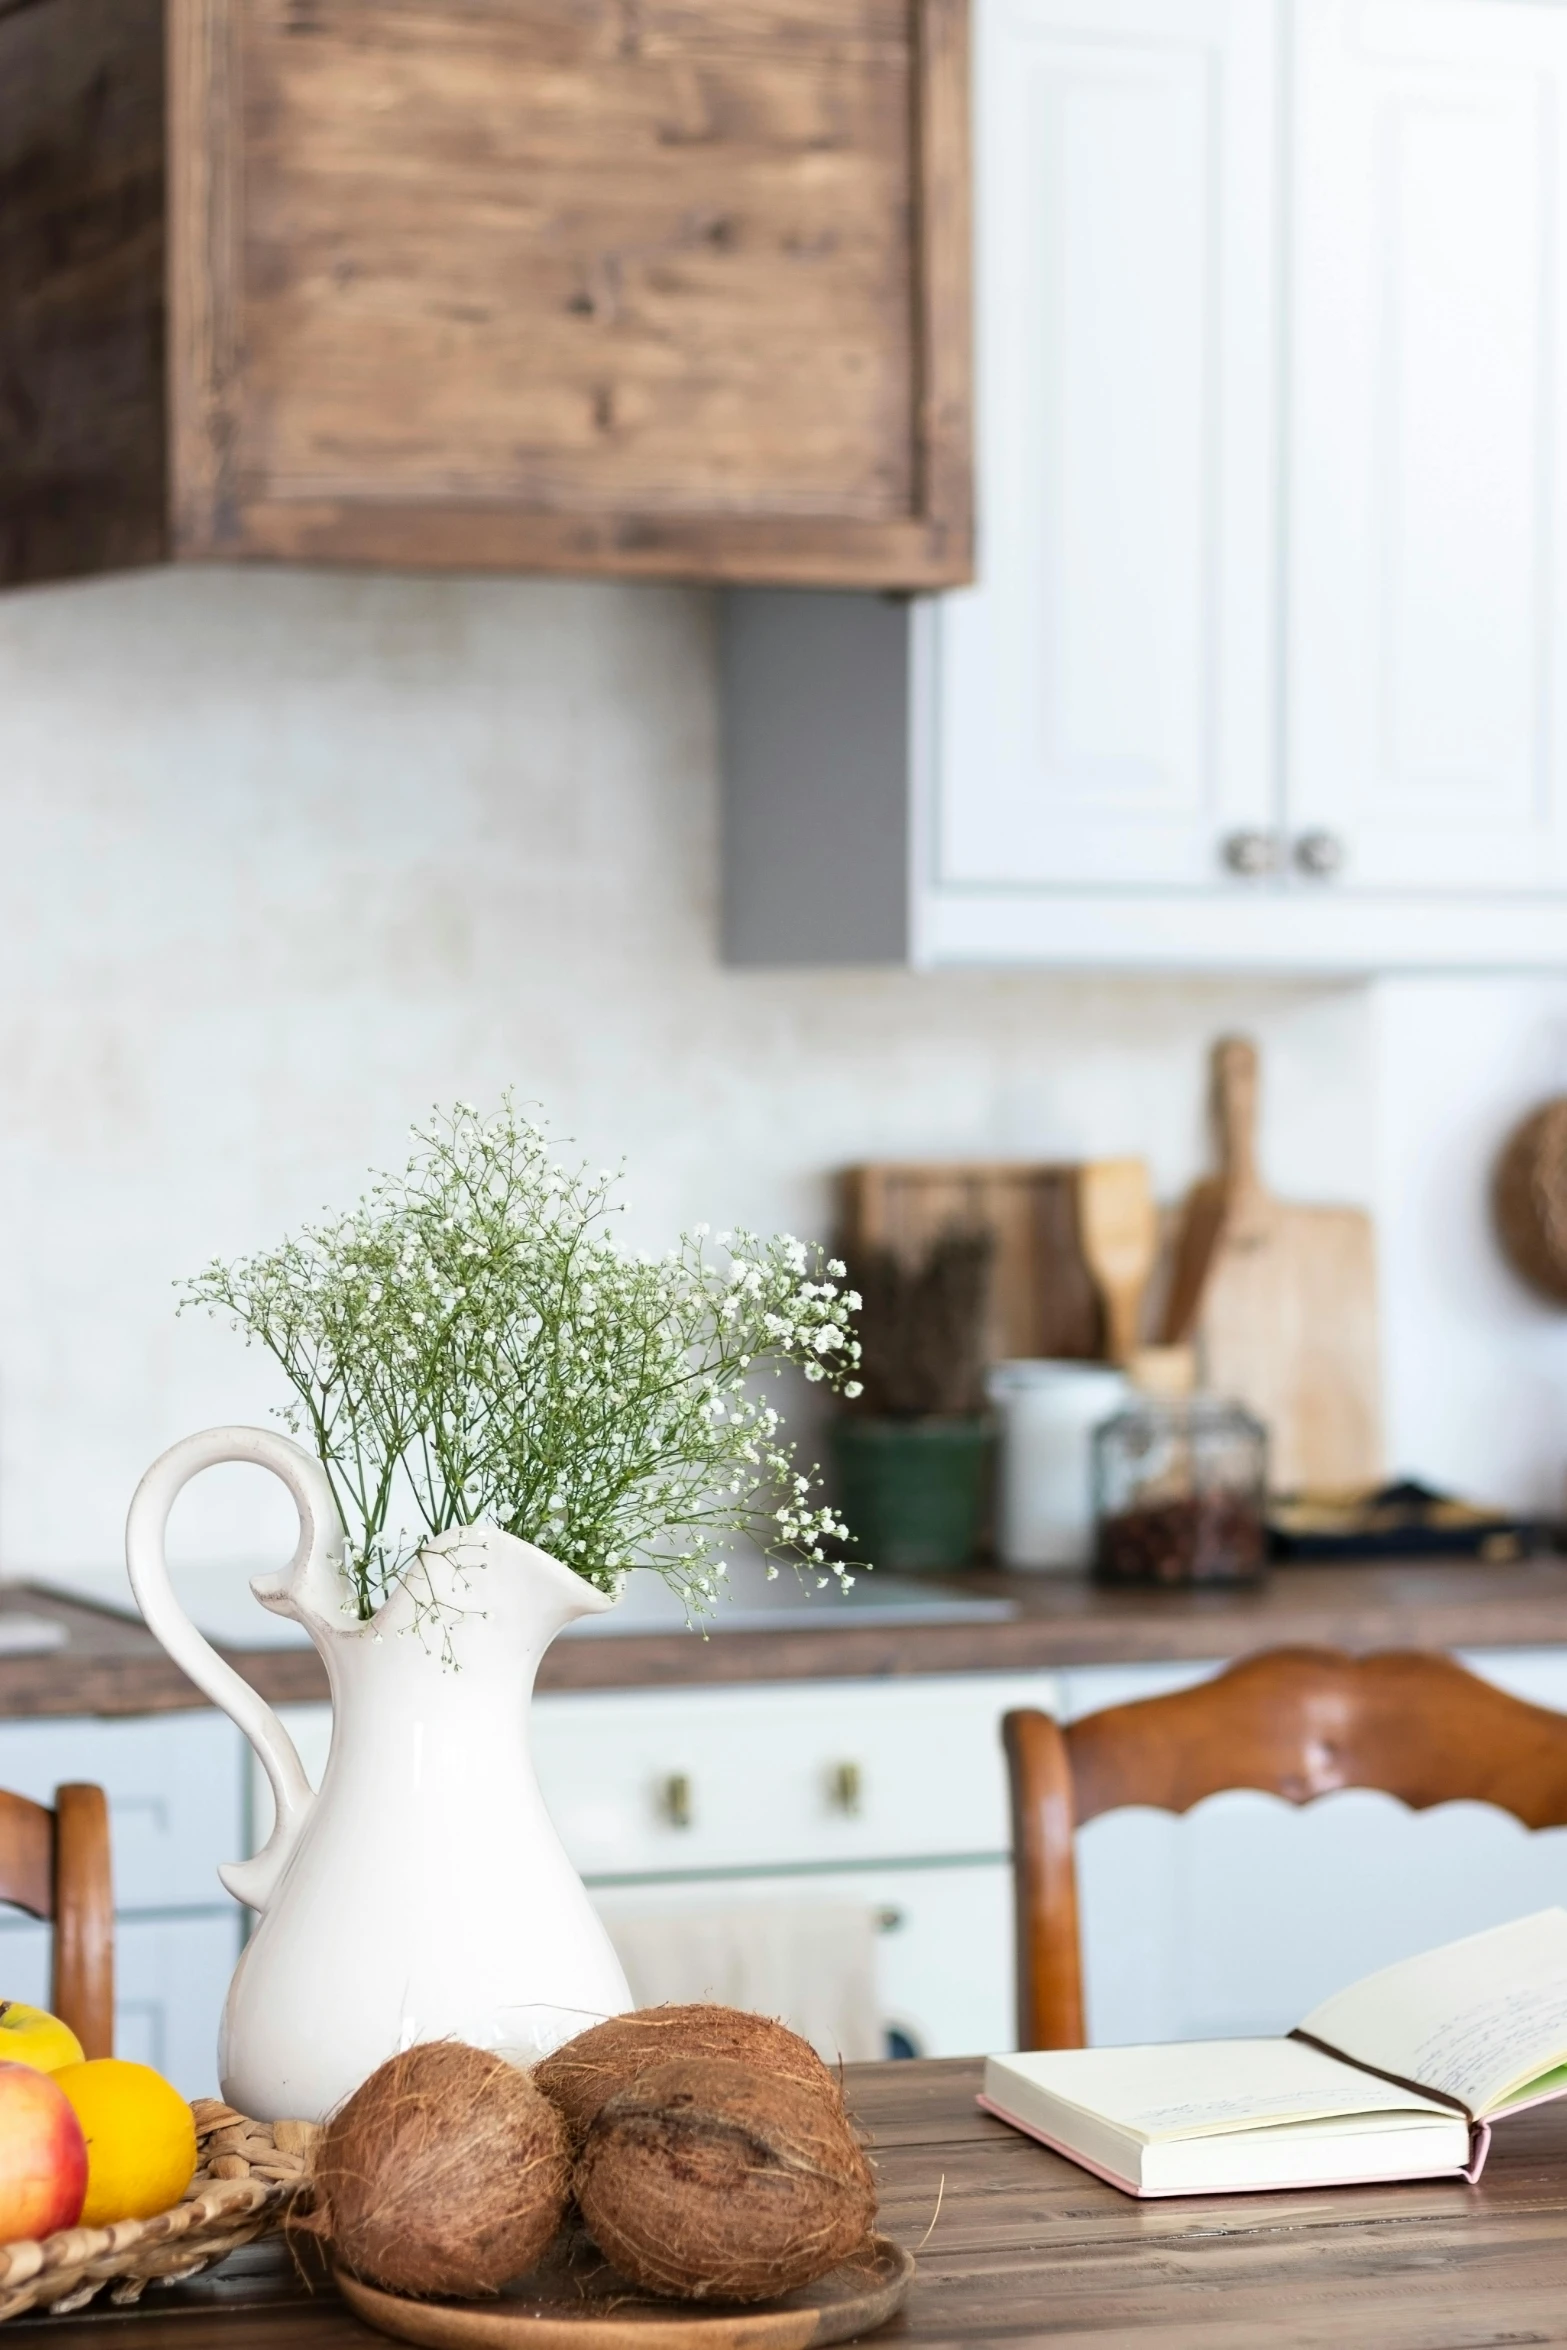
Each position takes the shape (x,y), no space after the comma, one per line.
(55,1865)
(1296,1722)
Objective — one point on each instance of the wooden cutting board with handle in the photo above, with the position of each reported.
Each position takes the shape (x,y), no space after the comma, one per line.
(1288,1316)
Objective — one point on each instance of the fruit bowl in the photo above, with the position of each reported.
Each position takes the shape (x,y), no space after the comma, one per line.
(248,2174)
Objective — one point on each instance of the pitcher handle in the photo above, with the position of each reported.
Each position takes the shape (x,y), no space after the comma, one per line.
(316,1557)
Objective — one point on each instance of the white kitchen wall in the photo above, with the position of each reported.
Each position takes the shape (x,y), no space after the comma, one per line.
(1475,1366)
(286,858)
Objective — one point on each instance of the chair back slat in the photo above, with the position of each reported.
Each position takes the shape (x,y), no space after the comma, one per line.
(83,1969)
(1295,1722)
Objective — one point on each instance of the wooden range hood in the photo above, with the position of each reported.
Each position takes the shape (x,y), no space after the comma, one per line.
(655,288)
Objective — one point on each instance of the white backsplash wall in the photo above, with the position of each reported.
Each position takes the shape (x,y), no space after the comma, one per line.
(287,858)
(1475,1367)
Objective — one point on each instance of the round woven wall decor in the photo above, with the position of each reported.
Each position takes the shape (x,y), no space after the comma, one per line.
(1530,1197)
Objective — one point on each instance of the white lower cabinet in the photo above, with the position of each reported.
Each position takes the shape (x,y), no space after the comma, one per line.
(942,1944)
(889,1795)
(653,1782)
(177,1789)
(171,1975)
(1237,1917)
(178,1807)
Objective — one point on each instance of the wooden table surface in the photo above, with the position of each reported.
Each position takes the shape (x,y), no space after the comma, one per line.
(113,1665)
(1026,2247)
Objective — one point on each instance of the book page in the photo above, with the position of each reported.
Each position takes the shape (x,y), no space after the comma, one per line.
(1481,2019)
(1201,2088)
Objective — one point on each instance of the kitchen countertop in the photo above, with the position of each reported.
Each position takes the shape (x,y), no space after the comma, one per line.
(112,1665)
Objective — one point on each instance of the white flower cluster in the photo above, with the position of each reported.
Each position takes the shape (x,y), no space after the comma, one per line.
(470,1345)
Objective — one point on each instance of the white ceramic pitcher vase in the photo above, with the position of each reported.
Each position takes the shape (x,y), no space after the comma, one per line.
(423,1893)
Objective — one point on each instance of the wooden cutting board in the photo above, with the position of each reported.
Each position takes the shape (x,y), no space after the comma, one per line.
(1288,1322)
(1042,1299)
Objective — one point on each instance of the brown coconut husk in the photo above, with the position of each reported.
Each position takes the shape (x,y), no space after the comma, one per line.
(706,2180)
(447,2173)
(580,2076)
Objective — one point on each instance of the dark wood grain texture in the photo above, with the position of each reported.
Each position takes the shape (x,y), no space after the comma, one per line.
(1027,2248)
(646,287)
(1298,1723)
(82,445)
(113,1666)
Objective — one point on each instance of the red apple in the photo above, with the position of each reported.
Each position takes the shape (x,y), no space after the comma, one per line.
(43,2156)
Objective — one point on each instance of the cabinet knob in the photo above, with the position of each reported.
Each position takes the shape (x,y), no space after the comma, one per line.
(1319,854)
(674,1800)
(1250,854)
(846,1789)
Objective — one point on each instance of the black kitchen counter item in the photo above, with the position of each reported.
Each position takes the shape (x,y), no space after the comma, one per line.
(1403,1520)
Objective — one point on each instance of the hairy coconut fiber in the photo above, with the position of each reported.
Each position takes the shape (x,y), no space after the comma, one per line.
(447,2173)
(610,2056)
(709,2180)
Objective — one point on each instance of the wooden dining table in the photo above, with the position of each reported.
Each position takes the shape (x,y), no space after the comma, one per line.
(1015,2244)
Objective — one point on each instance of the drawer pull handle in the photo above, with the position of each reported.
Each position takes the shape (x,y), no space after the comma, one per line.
(675,1800)
(846,1789)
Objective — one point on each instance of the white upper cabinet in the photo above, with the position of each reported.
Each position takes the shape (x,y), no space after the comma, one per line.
(1266,667)
(1427,729)
(1105,706)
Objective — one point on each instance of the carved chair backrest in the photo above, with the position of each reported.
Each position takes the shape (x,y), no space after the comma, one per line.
(1295,1722)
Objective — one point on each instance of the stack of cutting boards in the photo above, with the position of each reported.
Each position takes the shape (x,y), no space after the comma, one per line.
(1279,1298)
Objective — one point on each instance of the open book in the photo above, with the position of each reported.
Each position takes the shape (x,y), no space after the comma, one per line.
(1399,2077)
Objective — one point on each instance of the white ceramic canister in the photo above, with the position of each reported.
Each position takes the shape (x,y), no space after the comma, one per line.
(1049,1412)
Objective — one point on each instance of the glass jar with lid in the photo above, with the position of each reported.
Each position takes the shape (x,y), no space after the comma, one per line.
(1180,1491)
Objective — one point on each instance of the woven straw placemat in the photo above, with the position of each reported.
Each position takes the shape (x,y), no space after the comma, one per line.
(248,2175)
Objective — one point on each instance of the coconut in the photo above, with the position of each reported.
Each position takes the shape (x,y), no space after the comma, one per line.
(709,2180)
(610,2056)
(446,2173)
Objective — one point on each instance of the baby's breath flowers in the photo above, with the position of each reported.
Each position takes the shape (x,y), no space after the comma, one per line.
(469,1345)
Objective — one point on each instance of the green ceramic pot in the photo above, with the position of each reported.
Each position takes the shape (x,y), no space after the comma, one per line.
(913,1492)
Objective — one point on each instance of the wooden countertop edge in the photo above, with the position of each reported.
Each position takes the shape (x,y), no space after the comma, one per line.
(1070,1626)
(879,1653)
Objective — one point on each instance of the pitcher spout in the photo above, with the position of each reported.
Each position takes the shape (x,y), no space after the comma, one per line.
(516,1587)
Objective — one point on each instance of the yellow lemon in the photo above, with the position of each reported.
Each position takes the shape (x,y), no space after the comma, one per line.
(141,2138)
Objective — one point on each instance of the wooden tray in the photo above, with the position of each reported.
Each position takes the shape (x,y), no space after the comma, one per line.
(572,2304)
